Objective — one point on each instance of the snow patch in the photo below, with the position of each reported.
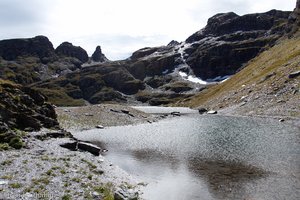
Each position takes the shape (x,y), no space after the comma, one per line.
(191,78)
(219,79)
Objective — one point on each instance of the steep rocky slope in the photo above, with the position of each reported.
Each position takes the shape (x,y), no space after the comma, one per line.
(267,85)
(22,108)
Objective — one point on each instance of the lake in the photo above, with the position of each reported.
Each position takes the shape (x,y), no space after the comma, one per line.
(207,156)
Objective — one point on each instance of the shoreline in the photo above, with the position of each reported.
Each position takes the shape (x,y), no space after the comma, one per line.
(43,167)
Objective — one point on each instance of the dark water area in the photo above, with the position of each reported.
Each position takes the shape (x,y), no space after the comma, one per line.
(207,157)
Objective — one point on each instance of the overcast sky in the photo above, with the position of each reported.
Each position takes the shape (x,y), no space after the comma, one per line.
(119,26)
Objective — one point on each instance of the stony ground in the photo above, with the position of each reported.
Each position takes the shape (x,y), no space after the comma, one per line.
(88,117)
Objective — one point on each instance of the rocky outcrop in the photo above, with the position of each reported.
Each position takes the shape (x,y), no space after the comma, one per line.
(67,49)
(22,108)
(98,56)
(96,84)
(294,20)
(39,46)
(30,60)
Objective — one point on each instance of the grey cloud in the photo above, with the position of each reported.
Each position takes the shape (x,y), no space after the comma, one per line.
(20,12)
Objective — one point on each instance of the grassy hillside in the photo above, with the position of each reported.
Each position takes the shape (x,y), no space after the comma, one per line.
(262,87)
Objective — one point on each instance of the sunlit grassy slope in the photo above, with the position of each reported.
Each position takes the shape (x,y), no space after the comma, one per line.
(262,84)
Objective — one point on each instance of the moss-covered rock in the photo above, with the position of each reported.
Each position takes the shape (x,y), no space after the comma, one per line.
(22,108)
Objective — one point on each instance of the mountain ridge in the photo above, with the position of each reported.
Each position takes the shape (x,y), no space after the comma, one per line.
(155,75)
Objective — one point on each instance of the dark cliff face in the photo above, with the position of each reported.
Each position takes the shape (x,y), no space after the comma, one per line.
(67,49)
(39,46)
(228,41)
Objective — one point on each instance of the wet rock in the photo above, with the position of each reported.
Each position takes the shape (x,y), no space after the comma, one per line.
(100,127)
(3,182)
(125,111)
(202,110)
(212,112)
(71,146)
(123,194)
(93,149)
(59,134)
(294,74)
(113,110)
(175,113)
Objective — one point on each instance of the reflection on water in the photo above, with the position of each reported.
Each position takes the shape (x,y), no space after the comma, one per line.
(226,179)
(208,157)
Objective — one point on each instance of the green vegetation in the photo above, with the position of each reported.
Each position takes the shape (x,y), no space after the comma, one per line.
(8,177)
(15,185)
(9,139)
(60,98)
(77,180)
(4,146)
(90,165)
(6,162)
(106,190)
(90,177)
(16,143)
(42,180)
(66,197)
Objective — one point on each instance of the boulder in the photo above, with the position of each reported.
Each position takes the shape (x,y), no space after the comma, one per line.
(123,194)
(100,126)
(202,110)
(93,149)
(212,112)
(294,74)
(84,146)
(125,111)
(175,113)
(71,146)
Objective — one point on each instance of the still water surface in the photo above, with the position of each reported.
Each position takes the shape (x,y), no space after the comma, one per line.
(207,157)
